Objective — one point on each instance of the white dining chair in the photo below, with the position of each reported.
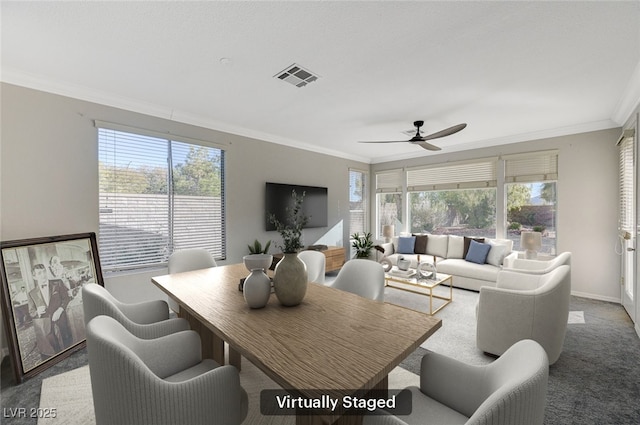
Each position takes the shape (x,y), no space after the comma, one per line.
(361,277)
(186,260)
(315,262)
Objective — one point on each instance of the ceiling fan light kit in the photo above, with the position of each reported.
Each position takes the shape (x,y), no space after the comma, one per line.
(421,141)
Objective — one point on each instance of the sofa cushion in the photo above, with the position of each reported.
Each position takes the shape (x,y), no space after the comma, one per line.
(497,253)
(467,242)
(463,268)
(421,244)
(406,244)
(478,252)
(456,247)
(437,245)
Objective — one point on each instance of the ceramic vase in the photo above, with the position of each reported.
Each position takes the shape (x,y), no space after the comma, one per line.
(257,288)
(290,280)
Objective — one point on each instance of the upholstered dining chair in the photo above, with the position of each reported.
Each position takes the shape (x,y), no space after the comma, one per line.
(149,319)
(525,306)
(511,390)
(361,277)
(186,260)
(315,262)
(159,381)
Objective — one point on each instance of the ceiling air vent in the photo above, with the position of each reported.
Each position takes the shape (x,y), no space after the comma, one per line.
(297,75)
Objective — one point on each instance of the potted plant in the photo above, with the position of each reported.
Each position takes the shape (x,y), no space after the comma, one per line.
(256,248)
(363,244)
(290,274)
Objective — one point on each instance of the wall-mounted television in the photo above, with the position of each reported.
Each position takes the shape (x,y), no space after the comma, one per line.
(278,198)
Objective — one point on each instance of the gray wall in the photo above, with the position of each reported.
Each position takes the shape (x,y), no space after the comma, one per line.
(587,203)
(49,176)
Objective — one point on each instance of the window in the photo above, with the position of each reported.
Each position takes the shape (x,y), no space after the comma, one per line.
(357,201)
(389,201)
(455,199)
(530,185)
(157,196)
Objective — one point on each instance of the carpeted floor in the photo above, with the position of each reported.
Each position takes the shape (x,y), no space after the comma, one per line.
(595,381)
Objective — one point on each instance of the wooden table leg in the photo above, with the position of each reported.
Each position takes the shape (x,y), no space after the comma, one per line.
(212,345)
(235,358)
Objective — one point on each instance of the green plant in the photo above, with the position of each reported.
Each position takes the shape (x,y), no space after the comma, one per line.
(362,244)
(540,229)
(515,226)
(291,231)
(256,248)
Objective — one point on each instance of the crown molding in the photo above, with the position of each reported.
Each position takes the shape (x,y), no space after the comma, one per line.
(630,100)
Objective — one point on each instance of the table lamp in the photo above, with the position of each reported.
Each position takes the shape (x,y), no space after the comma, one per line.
(387,232)
(531,242)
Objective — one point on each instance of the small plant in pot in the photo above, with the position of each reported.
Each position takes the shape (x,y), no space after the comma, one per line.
(256,248)
(363,244)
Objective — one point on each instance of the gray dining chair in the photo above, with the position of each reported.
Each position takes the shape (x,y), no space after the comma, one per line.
(186,260)
(511,390)
(361,277)
(159,381)
(149,319)
(315,262)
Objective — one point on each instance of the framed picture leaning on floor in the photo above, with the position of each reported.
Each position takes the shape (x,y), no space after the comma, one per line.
(42,308)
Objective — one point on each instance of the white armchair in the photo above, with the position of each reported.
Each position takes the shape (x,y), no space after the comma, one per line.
(361,277)
(511,390)
(149,319)
(159,381)
(525,306)
(536,266)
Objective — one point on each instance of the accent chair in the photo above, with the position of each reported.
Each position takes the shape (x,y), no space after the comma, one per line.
(315,262)
(186,260)
(361,277)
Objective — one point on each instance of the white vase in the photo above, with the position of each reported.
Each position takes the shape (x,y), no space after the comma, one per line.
(257,288)
(290,280)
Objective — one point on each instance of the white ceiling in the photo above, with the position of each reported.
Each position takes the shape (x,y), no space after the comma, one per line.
(512,71)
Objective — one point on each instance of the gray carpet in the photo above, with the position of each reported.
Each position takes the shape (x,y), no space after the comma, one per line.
(595,381)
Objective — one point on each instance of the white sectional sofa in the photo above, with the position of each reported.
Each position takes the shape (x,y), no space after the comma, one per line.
(452,256)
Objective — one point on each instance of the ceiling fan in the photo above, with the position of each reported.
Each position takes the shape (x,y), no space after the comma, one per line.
(420,140)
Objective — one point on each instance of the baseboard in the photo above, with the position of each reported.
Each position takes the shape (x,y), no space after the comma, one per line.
(596,297)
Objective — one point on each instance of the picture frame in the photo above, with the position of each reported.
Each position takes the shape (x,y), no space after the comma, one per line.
(41,293)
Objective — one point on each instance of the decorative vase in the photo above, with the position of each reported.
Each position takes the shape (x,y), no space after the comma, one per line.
(290,280)
(257,288)
(403,264)
(427,271)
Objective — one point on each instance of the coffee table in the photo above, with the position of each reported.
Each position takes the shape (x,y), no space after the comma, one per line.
(422,286)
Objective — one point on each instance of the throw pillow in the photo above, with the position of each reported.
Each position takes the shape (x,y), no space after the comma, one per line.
(456,247)
(496,253)
(477,252)
(406,244)
(467,241)
(421,244)
(438,245)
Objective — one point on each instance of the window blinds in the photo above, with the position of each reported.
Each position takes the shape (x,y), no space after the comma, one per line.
(156,196)
(464,175)
(389,181)
(531,168)
(626,168)
(357,201)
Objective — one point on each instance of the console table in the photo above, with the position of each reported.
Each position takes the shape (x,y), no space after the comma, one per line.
(335,257)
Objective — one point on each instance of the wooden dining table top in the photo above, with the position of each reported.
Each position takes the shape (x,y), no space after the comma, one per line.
(332,340)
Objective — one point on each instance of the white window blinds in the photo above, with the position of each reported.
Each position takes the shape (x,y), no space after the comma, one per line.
(389,181)
(531,168)
(157,196)
(357,201)
(465,175)
(626,161)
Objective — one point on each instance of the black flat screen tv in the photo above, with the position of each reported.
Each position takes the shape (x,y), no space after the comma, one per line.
(278,198)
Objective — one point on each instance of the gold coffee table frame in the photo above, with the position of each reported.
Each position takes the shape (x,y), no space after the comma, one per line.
(425,285)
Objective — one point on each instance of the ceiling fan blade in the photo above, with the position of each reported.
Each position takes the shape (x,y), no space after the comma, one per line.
(428,146)
(386,141)
(446,132)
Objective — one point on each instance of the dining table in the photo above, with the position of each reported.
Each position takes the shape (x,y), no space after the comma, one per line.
(333,343)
